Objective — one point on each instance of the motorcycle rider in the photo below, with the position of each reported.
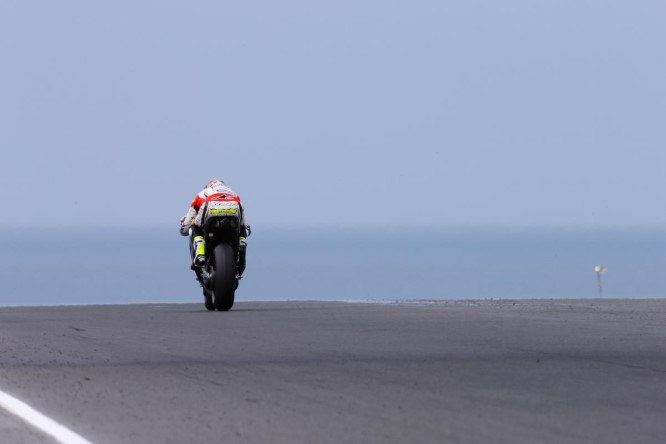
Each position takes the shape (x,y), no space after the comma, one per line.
(189,224)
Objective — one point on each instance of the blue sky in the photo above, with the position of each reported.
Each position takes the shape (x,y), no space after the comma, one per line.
(371,113)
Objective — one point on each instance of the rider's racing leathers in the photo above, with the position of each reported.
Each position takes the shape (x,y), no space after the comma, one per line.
(191,222)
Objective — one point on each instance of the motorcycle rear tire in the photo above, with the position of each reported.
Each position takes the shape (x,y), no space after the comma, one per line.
(223,281)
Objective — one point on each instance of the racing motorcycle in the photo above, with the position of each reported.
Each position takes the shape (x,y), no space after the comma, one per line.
(220,222)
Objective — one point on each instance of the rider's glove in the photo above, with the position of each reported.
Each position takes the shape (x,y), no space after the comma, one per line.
(248,231)
(184,228)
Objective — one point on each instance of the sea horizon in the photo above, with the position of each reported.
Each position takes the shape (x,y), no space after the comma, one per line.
(124,265)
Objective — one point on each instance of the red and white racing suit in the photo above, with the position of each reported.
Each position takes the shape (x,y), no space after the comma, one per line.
(191,223)
(206,195)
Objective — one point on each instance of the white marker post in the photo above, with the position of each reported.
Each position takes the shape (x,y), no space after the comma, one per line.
(600,269)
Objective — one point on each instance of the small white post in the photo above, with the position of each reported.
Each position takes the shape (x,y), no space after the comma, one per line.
(600,269)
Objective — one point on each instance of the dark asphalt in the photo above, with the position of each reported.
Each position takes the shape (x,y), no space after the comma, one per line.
(554,371)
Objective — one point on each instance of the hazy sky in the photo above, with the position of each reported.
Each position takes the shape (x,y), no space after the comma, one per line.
(373,112)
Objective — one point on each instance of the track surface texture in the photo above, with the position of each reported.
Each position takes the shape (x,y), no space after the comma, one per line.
(530,371)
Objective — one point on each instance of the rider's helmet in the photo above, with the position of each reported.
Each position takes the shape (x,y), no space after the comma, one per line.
(214,182)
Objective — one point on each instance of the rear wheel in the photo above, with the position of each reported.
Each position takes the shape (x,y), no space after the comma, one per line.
(224,278)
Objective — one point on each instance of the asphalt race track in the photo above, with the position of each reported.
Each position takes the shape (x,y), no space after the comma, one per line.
(552,371)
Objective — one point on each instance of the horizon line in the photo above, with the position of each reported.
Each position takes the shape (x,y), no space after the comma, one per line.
(348,227)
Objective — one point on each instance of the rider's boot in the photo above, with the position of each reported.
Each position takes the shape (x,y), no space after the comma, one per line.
(199,251)
(242,250)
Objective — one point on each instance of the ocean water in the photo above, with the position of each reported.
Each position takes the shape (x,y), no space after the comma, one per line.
(54,267)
